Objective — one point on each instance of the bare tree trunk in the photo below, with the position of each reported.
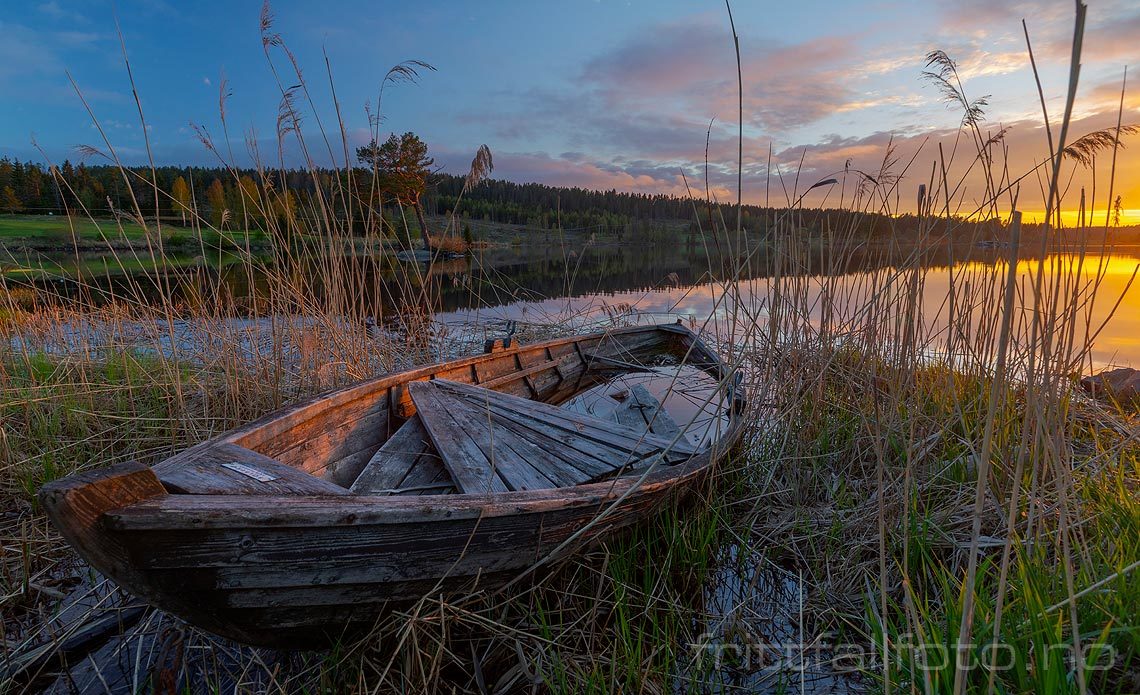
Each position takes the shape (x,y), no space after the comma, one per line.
(443,242)
(424,233)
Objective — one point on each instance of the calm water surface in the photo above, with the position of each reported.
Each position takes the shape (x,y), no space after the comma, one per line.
(548,282)
(1104,285)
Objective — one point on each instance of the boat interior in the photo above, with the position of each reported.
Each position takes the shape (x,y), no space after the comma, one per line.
(518,418)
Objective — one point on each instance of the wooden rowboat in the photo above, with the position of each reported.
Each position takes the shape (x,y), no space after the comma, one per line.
(455,477)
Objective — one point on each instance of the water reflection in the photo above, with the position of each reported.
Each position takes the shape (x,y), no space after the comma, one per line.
(976,282)
(753,635)
(547,282)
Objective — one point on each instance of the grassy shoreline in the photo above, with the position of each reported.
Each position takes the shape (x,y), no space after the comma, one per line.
(653,623)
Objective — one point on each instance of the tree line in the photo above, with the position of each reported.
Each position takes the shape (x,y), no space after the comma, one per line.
(101,190)
(242,198)
(31,188)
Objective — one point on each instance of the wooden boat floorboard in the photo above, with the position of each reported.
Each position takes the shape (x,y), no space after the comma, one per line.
(428,477)
(509,457)
(486,437)
(589,459)
(469,465)
(611,434)
(406,464)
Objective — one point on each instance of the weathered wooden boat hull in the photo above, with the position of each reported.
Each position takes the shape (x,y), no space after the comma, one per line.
(297,570)
(288,571)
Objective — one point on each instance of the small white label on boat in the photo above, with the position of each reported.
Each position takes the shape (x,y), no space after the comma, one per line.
(249,471)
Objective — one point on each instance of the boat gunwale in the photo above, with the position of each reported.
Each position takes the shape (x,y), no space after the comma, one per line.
(193,512)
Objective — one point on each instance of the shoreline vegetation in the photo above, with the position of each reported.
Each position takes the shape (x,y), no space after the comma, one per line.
(920,505)
(87,204)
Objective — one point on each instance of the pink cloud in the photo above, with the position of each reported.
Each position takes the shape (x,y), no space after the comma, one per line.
(692,65)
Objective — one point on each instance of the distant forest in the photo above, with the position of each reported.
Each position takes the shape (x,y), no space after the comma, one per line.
(31,189)
(216,194)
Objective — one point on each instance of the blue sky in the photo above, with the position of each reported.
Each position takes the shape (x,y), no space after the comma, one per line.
(577,92)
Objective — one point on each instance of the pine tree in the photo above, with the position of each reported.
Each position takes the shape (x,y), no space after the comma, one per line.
(402,166)
(6,172)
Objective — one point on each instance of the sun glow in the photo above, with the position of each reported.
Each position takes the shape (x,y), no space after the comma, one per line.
(1072,218)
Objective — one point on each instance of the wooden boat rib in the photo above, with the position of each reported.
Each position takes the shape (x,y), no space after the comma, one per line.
(454,477)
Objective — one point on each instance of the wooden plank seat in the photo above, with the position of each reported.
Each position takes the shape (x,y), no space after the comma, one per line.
(640,410)
(229,469)
(597,363)
(494,442)
(406,464)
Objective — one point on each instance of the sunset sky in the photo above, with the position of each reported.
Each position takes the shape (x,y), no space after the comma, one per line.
(598,94)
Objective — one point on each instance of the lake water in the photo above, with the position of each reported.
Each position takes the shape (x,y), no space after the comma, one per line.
(548,282)
(668,287)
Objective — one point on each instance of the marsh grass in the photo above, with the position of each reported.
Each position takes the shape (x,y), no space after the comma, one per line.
(921,477)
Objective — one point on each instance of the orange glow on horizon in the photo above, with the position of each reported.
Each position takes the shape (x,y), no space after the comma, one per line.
(1093,265)
(1072,218)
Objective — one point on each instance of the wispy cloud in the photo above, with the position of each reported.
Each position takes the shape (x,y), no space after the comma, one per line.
(54,10)
(689,66)
(979,63)
(27,52)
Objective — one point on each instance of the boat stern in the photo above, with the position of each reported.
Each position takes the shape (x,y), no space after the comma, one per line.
(77,503)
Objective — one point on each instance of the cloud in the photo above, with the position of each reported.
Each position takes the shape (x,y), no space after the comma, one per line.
(665,94)
(691,67)
(55,11)
(979,63)
(873,100)
(648,98)
(543,168)
(913,155)
(909,154)
(663,60)
(636,114)
(1115,41)
(25,52)
(1110,31)
(979,19)
(29,54)
(573,169)
(75,39)
(1105,96)
(33,69)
